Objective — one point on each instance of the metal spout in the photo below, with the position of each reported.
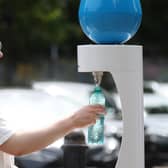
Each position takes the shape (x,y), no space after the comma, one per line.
(97,77)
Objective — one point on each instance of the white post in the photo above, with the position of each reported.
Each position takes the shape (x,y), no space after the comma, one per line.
(125,64)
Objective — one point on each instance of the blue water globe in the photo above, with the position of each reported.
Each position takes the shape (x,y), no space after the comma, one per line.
(110,21)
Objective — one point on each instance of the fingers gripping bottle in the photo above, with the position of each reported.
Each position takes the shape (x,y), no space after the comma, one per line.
(96,131)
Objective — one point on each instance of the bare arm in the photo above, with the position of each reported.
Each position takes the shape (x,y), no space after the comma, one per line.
(26,142)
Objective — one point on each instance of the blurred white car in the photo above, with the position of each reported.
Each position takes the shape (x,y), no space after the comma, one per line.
(156,114)
(160,88)
(151,87)
(79,92)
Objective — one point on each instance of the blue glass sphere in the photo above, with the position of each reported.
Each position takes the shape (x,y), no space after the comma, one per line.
(110,21)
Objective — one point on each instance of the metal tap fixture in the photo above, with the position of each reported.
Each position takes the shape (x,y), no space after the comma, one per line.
(97,77)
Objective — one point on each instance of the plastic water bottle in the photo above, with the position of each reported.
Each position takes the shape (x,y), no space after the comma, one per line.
(96,131)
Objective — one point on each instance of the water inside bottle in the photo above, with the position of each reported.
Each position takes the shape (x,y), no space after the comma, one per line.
(96,131)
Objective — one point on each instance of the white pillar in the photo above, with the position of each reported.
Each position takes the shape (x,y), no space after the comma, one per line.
(126,66)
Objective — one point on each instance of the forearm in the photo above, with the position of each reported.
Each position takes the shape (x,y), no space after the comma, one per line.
(26,142)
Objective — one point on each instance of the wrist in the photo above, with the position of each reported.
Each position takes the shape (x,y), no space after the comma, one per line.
(71,122)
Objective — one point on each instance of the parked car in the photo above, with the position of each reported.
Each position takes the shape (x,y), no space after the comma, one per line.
(156,122)
(32,108)
(151,87)
(160,88)
(76,91)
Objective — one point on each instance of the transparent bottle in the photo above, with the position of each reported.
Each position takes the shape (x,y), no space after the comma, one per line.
(96,131)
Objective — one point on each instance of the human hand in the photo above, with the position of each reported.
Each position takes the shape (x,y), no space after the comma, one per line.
(87,115)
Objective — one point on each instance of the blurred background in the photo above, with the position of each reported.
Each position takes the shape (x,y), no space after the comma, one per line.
(40,38)
(39,68)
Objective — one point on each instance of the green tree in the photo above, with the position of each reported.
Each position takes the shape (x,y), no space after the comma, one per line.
(28,26)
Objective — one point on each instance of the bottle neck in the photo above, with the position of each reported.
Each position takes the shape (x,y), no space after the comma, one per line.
(97,89)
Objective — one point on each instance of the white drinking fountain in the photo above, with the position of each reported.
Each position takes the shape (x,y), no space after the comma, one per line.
(110,23)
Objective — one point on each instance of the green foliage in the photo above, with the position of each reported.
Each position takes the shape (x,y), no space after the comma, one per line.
(28,26)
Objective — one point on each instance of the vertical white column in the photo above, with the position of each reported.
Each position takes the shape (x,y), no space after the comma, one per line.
(126,66)
(130,88)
